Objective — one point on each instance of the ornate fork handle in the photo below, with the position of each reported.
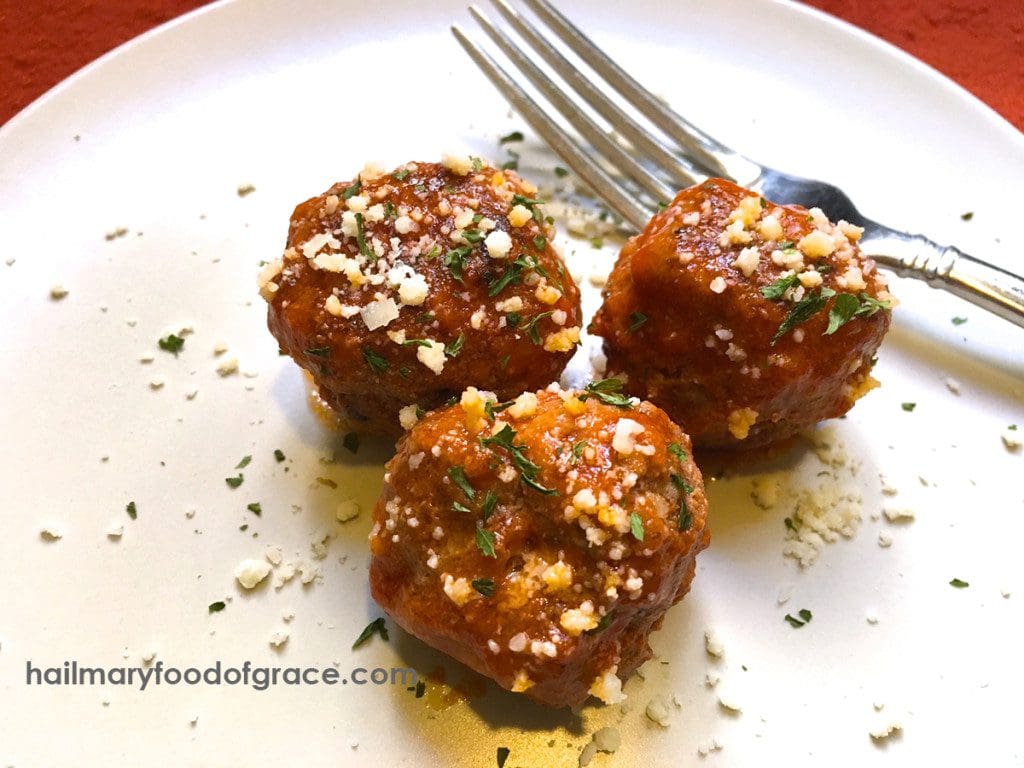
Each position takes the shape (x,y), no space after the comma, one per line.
(986,285)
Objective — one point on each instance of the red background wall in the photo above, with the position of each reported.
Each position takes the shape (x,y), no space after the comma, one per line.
(979,43)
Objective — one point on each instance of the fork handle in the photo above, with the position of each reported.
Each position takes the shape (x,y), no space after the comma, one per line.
(945,266)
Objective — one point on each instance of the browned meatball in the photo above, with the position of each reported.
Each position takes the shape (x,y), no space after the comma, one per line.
(540,541)
(400,289)
(747,321)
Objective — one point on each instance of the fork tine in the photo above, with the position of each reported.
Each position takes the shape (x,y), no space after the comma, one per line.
(641,139)
(618,198)
(704,150)
(590,130)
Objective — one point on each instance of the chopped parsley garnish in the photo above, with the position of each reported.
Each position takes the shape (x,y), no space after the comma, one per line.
(353,190)
(967,216)
(531,326)
(377,363)
(390,212)
(455,260)
(602,624)
(958,320)
(504,362)
(561,172)
(786,245)
(484,586)
(452,349)
(375,627)
(843,309)
(364,249)
(502,756)
(847,306)
(958,583)
(803,311)
(472,236)
(216,606)
(255,508)
(461,507)
(417,343)
(421,688)
(790,525)
(405,372)
(132,510)
(425,317)
(351,441)
(244,462)
(234,482)
(677,450)
(485,542)
(171,343)
(490,500)
(478,164)
(778,289)
(513,319)
(540,242)
(458,476)
(512,164)
(433,253)
(804,617)
(597,242)
(608,391)
(528,471)
(908,407)
(400,175)
(319,351)
(510,137)
(636,526)
(578,449)
(637,319)
(491,407)
(279,454)
(685,489)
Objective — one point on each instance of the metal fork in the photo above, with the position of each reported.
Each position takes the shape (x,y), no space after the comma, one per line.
(648,167)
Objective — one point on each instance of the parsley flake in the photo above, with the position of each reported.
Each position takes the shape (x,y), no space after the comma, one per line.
(132,510)
(502,756)
(677,450)
(637,319)
(400,175)
(234,482)
(458,476)
(958,320)
(490,500)
(453,349)
(455,260)
(778,289)
(636,526)
(528,471)
(279,454)
(377,363)
(351,442)
(908,407)
(608,391)
(531,326)
(244,462)
(485,542)
(484,586)
(352,190)
(375,627)
(958,583)
(172,343)
(510,137)
(255,508)
(216,606)
(364,249)
(319,351)
(803,311)
(804,617)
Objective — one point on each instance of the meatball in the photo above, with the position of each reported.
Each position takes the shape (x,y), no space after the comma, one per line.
(541,540)
(745,320)
(399,289)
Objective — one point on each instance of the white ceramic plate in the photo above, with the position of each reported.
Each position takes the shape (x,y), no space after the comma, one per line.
(157,137)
